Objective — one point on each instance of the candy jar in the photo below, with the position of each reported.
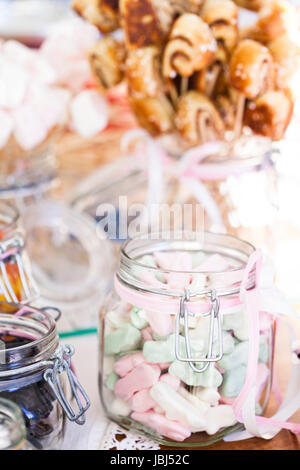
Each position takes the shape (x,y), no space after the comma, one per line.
(16,282)
(175,335)
(12,427)
(36,373)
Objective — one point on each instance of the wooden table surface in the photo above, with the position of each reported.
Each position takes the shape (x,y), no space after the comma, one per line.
(284,440)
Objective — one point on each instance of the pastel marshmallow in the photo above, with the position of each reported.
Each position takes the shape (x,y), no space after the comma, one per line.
(194,400)
(142,401)
(14,82)
(120,407)
(220,417)
(163,426)
(138,318)
(117,318)
(127,363)
(209,395)
(233,381)
(160,351)
(147,334)
(142,377)
(178,408)
(161,324)
(170,380)
(210,378)
(236,358)
(124,339)
(89,113)
(111,380)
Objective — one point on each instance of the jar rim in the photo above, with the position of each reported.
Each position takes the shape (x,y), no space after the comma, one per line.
(134,274)
(40,345)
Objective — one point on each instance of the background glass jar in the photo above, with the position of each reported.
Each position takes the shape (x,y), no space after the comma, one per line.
(146,383)
(12,427)
(36,374)
(16,283)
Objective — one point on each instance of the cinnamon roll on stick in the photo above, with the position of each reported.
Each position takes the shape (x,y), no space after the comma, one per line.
(251,73)
(222,18)
(146,22)
(107,62)
(276,18)
(191,47)
(197,119)
(143,72)
(154,114)
(286,55)
(270,114)
(254,5)
(104,14)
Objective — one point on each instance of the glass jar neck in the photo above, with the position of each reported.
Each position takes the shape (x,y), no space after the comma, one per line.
(137,272)
(9,218)
(12,426)
(28,338)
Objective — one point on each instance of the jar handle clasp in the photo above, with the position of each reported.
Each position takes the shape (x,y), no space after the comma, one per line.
(62,363)
(215,321)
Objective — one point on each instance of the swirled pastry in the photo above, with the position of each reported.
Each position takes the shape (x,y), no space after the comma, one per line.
(107,62)
(254,5)
(270,114)
(251,69)
(183,6)
(104,14)
(276,18)
(143,72)
(197,119)
(154,114)
(146,22)
(191,47)
(222,18)
(286,54)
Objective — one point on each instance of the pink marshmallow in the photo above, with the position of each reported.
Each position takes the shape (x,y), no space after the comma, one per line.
(6,127)
(89,112)
(171,380)
(14,81)
(147,334)
(142,401)
(161,324)
(162,425)
(127,363)
(142,377)
(164,365)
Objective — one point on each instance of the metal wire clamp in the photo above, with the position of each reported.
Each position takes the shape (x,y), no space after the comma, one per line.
(215,321)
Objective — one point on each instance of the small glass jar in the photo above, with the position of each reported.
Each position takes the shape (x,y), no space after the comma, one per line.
(16,282)
(174,339)
(36,374)
(12,427)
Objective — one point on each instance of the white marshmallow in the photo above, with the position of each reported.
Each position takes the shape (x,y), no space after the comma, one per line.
(14,81)
(219,417)
(89,112)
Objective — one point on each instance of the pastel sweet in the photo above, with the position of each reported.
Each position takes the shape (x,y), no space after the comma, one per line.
(219,417)
(163,426)
(161,324)
(194,400)
(233,381)
(140,378)
(127,363)
(120,407)
(89,113)
(124,339)
(142,401)
(111,380)
(117,318)
(210,378)
(170,380)
(209,395)
(177,408)
(236,358)
(138,318)
(160,351)
(233,321)
(147,334)
(14,81)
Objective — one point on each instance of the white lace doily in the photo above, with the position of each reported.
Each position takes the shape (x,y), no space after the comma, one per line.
(118,438)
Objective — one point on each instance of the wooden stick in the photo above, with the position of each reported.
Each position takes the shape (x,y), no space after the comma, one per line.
(238,125)
(184,85)
(213,79)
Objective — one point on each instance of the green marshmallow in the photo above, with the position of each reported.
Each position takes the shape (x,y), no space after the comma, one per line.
(111,380)
(160,351)
(233,381)
(211,378)
(233,321)
(124,339)
(239,356)
(138,318)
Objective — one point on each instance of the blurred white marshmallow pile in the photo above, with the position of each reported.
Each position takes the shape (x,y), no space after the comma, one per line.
(43,89)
